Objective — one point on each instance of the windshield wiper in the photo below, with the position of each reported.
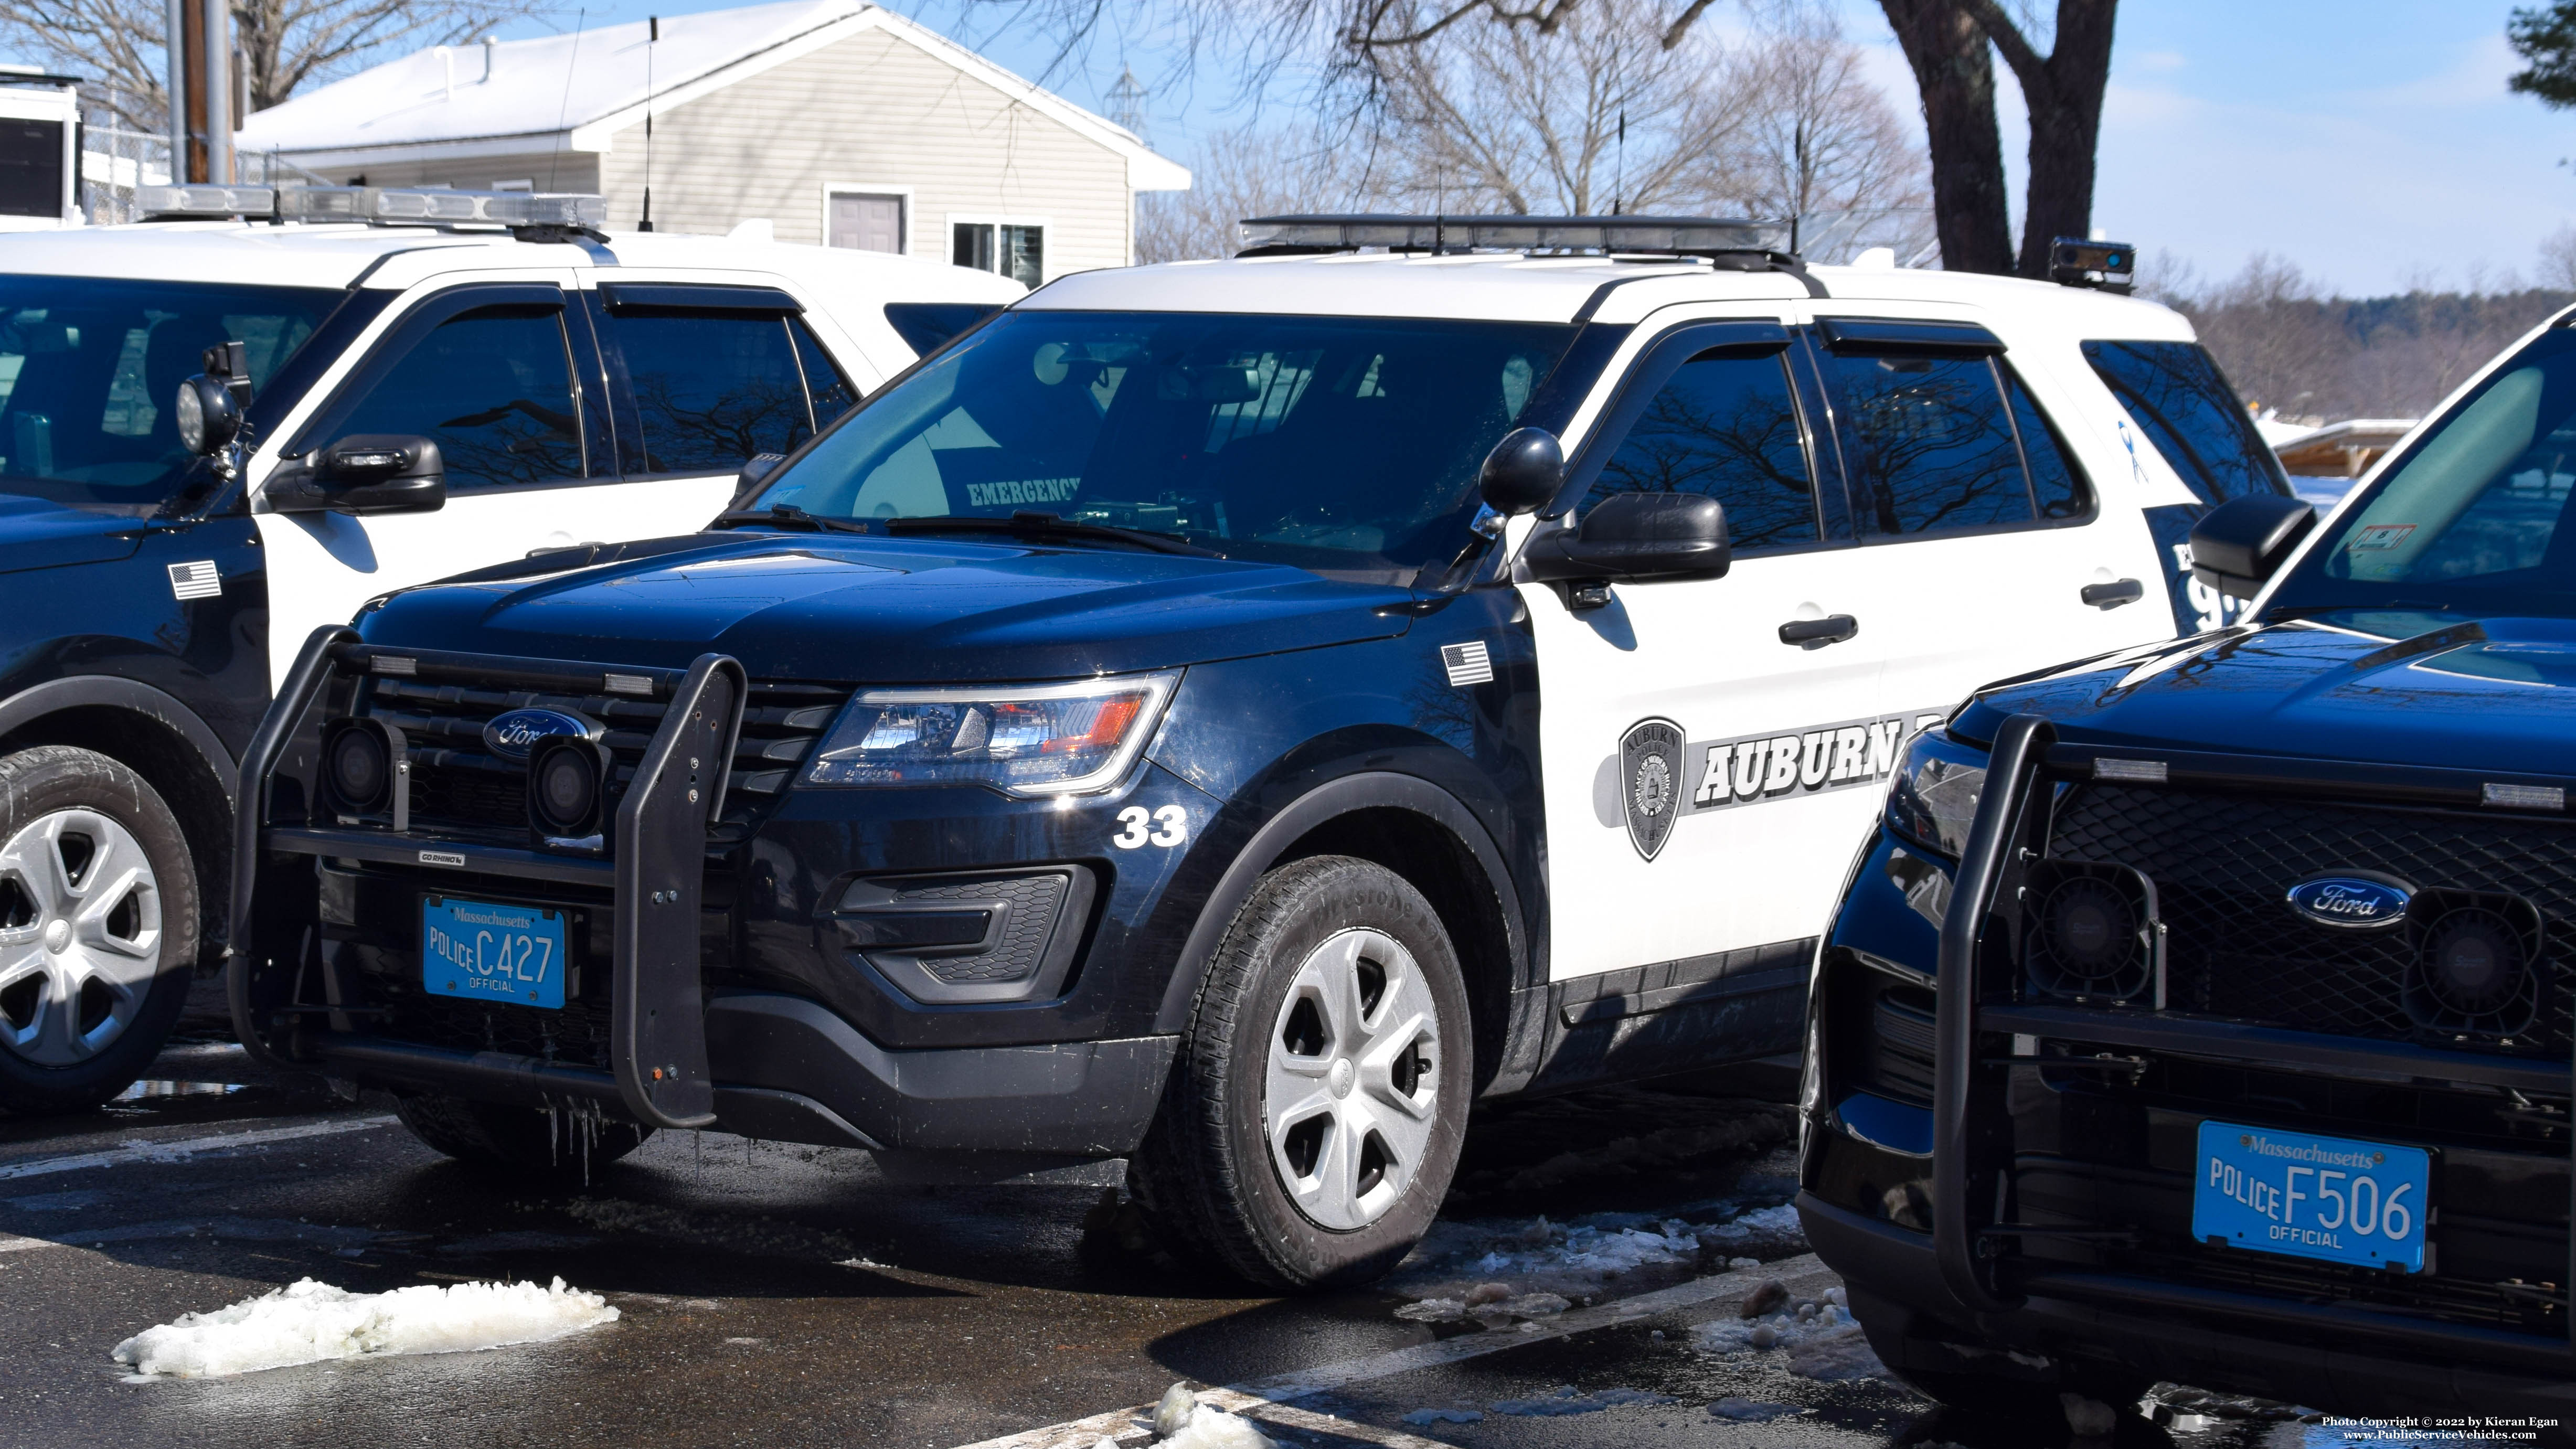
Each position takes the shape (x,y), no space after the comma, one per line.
(787,515)
(1029,523)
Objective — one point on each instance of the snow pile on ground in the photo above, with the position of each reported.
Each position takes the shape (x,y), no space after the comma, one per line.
(1818,1338)
(1182,1422)
(1493,1304)
(1751,1411)
(1567,1401)
(310,1322)
(1772,1232)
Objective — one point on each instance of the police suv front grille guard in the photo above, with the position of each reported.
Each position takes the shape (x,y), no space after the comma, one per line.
(657,872)
(1969,1145)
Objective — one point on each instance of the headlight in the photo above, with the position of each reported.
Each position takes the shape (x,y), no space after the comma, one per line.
(1933,798)
(1051,739)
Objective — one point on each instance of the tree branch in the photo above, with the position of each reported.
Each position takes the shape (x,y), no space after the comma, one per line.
(2028,65)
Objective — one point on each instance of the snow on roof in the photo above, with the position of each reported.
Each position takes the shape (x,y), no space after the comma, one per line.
(578,90)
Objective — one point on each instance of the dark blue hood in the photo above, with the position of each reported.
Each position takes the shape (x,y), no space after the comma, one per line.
(837,607)
(2404,689)
(37,533)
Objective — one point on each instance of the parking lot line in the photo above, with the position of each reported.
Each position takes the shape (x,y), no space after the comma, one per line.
(187,1147)
(1269,1398)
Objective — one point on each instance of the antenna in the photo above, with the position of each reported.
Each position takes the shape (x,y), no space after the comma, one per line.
(652,39)
(1619,193)
(562,108)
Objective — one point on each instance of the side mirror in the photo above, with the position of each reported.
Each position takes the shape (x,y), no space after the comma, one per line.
(1637,537)
(367,473)
(755,471)
(1522,473)
(2238,546)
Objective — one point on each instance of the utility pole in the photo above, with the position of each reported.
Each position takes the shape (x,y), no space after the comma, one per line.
(187,52)
(218,25)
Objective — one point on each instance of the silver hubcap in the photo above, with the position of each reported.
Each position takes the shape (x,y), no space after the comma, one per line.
(80,936)
(1352,1087)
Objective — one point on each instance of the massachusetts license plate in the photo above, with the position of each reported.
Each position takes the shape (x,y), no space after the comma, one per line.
(2310,1196)
(492,953)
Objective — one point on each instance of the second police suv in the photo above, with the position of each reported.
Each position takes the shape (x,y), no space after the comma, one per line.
(1224,715)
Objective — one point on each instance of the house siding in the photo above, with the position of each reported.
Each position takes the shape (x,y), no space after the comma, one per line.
(546,171)
(873,109)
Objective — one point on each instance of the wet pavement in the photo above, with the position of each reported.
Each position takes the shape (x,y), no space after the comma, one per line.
(775,1294)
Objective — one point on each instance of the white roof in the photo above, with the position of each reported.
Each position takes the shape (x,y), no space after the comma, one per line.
(577,91)
(255,253)
(1504,287)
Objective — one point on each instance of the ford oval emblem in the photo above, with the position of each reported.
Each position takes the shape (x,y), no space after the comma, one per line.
(512,733)
(2352,902)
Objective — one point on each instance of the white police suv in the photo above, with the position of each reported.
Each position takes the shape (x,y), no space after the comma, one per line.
(1225,715)
(212,429)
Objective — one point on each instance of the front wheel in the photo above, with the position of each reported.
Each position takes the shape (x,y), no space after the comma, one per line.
(1314,1117)
(98,928)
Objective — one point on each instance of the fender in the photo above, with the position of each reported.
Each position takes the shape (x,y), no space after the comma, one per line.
(81,691)
(1368,790)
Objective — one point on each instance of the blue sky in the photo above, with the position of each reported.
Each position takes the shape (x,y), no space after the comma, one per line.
(2371,141)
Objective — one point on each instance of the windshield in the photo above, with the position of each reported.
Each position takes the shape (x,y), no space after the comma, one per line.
(1345,445)
(2468,520)
(89,365)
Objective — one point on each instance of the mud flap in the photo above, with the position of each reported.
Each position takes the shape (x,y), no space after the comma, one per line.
(658,1031)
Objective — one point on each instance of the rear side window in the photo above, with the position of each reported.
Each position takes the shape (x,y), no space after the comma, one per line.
(493,387)
(714,388)
(1933,447)
(1723,426)
(2187,409)
(2056,484)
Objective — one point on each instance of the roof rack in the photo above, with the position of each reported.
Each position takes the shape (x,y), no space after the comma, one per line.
(1683,236)
(521,211)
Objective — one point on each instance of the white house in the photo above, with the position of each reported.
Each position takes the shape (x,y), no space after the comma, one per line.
(833,120)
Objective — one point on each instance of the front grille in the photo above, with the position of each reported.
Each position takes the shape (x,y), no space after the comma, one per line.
(1903,1047)
(2222,865)
(2535,1310)
(458,785)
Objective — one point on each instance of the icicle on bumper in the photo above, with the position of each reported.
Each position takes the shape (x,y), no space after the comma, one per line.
(312,1322)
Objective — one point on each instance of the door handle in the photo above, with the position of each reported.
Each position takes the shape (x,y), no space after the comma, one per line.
(2112,595)
(1831,629)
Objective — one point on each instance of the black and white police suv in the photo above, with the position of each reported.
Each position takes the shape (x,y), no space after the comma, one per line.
(211,430)
(2204,1012)
(1226,715)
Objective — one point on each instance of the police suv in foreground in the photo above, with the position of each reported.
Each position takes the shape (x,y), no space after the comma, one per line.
(212,429)
(2203,1012)
(1203,716)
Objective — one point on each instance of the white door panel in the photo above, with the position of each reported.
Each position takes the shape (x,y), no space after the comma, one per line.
(1732,868)
(322,566)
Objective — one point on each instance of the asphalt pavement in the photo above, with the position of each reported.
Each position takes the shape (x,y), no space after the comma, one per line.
(771,1294)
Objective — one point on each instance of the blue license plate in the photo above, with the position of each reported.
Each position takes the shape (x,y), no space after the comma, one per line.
(491,952)
(2311,1197)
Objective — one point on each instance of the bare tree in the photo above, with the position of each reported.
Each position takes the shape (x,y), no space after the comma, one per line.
(1825,151)
(283,43)
(1251,171)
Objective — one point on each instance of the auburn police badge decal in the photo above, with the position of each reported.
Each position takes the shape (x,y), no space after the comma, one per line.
(1650,767)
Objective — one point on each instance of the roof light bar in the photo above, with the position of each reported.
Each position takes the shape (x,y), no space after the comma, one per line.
(418,206)
(2105,266)
(205,200)
(1676,235)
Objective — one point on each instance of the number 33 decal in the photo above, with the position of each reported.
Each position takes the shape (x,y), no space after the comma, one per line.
(1170,826)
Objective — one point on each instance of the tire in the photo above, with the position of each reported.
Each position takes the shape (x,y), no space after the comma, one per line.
(98,928)
(1992,1385)
(1250,1160)
(565,1146)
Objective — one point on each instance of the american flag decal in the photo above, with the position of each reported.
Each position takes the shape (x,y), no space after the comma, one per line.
(1467,663)
(196,580)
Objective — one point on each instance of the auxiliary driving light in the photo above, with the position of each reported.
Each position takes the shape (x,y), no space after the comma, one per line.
(365,771)
(568,786)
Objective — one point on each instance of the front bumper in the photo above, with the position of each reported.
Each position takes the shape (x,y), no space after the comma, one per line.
(668,1018)
(1991,1170)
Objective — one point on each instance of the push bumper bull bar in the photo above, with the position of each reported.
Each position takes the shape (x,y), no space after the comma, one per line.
(656,872)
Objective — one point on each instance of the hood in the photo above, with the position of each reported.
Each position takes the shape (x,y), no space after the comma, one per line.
(900,610)
(37,533)
(2377,687)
